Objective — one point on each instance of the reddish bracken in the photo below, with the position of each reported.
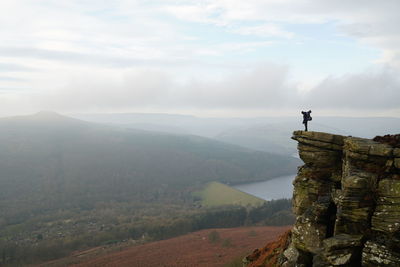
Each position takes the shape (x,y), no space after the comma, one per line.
(191,250)
(268,255)
(390,139)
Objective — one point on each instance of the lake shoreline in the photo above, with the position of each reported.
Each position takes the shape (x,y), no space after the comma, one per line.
(276,188)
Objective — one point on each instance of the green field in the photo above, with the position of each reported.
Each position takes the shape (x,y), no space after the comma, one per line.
(217,194)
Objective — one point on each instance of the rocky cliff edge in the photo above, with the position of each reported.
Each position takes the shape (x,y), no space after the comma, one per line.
(347,204)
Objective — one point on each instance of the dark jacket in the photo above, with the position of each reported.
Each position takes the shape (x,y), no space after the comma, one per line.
(306,116)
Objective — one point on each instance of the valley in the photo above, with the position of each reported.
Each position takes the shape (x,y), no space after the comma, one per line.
(67,184)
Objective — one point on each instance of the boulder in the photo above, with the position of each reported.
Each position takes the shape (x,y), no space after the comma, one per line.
(342,250)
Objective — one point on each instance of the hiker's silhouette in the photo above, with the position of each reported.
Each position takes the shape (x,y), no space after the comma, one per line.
(306,118)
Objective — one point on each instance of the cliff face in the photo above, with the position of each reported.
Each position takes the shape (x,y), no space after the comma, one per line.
(347,203)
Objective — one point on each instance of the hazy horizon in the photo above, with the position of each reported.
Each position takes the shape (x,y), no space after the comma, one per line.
(296,115)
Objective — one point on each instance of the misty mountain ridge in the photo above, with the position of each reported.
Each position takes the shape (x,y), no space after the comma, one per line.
(42,116)
(270,134)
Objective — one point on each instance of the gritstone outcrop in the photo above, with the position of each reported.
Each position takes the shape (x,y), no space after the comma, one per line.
(347,203)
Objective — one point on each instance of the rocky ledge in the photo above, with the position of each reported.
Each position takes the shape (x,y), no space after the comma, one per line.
(347,203)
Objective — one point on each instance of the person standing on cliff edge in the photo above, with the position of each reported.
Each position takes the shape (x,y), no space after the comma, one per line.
(306,118)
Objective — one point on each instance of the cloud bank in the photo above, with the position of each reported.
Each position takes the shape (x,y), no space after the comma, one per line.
(267,87)
(183,56)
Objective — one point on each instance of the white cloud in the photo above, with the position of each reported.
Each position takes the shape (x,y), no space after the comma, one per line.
(266,86)
(152,88)
(376,89)
(264,30)
(263,88)
(371,22)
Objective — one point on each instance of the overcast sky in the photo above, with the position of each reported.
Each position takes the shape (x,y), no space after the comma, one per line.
(206,58)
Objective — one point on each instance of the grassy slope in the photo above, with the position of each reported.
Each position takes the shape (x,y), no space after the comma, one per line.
(217,194)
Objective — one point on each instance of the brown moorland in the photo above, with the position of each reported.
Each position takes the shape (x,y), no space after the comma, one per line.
(268,255)
(194,249)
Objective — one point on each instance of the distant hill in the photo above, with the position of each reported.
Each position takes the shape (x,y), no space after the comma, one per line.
(270,134)
(274,138)
(50,161)
(168,123)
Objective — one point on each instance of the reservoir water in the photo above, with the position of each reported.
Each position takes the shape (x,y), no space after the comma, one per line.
(279,187)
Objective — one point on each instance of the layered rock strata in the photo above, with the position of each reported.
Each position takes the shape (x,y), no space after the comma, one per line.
(347,203)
